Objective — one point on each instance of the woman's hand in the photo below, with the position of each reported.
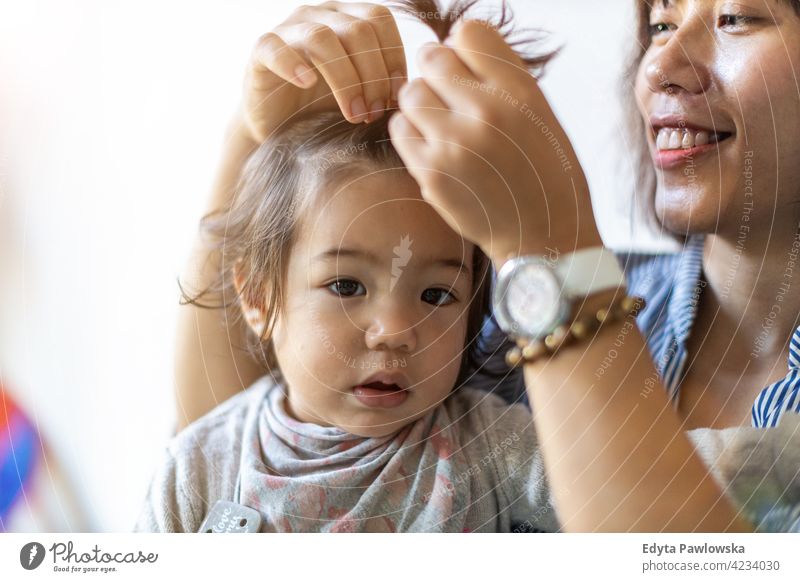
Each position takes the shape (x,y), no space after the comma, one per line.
(355,48)
(479,137)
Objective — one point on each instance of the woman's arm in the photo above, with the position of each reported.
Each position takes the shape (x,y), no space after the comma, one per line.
(210,365)
(618,449)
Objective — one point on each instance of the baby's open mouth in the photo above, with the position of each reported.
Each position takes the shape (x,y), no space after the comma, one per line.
(380,394)
(381,387)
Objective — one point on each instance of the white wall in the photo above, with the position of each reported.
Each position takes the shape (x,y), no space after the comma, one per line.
(111,118)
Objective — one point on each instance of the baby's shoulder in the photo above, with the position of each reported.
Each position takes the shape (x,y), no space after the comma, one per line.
(199,466)
(206,453)
(224,423)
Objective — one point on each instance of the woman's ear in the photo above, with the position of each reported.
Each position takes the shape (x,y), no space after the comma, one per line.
(253,313)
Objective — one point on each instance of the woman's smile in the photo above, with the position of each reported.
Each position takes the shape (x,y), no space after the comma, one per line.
(677,141)
(677,147)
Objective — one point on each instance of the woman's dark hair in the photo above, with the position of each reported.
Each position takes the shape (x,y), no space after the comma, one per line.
(253,235)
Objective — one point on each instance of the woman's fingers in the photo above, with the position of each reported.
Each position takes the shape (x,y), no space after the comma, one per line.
(409,143)
(355,47)
(454,83)
(388,35)
(360,42)
(324,49)
(425,110)
(362,45)
(272,54)
(487,54)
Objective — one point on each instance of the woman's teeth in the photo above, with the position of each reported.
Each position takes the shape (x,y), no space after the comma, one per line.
(682,139)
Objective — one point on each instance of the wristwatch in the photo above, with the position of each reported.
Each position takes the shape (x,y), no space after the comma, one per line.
(534,295)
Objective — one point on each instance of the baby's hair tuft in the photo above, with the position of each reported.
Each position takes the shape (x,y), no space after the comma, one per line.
(442,22)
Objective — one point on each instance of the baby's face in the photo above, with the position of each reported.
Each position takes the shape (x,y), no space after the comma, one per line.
(378,289)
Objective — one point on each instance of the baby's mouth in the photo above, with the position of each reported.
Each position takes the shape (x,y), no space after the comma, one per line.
(380,395)
(380,388)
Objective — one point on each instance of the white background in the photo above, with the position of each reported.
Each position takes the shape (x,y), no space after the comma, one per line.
(111,121)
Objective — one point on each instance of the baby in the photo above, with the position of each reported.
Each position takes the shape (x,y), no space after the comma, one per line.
(367,308)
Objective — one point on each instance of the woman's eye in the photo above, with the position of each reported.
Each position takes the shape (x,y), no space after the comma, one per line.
(345,287)
(660,28)
(437,296)
(733,20)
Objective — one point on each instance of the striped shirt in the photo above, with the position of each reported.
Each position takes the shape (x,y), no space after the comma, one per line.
(672,285)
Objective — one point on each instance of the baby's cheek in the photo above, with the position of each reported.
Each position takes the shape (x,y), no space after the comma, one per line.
(447,343)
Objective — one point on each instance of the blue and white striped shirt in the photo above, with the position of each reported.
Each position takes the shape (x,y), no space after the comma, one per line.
(672,285)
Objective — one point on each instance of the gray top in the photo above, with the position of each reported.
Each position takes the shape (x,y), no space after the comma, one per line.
(472,464)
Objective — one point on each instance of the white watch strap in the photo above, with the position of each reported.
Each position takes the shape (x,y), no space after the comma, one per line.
(589,271)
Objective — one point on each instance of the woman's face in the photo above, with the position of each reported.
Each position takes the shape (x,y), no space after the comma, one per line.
(719,90)
(377,285)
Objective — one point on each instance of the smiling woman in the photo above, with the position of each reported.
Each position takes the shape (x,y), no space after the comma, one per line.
(718,107)
(725,73)
(722,73)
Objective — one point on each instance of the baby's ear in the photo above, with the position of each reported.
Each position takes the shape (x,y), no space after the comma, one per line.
(253,313)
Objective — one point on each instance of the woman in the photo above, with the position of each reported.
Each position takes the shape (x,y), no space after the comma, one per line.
(719,110)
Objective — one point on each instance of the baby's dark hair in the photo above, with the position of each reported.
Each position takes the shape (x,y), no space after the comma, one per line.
(254,234)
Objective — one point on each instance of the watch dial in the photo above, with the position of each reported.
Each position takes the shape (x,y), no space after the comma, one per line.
(533,299)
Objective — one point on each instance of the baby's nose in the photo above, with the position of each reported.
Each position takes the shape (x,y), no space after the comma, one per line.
(392,329)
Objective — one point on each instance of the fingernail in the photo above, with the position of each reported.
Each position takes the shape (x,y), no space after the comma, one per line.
(397,82)
(305,75)
(358,108)
(376,110)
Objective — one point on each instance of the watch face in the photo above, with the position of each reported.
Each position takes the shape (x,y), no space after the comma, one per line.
(532,301)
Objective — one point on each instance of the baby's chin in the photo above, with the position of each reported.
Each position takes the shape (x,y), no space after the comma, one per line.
(376,425)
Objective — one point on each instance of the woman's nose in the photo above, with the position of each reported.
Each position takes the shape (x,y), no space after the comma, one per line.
(393,328)
(682,65)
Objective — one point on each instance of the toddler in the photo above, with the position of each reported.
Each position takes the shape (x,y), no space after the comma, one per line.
(367,310)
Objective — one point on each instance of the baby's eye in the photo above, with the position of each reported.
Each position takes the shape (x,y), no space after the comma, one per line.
(345,287)
(434,296)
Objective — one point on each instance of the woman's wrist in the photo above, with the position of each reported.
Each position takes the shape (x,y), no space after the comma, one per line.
(551,248)
(586,318)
